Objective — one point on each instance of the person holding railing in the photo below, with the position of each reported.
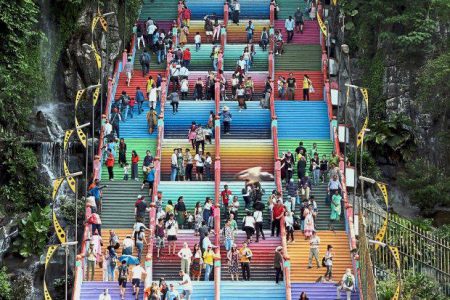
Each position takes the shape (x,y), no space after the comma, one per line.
(277,214)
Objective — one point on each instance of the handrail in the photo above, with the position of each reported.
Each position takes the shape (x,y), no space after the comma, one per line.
(180,11)
(272,14)
(348,207)
(226,10)
(217,167)
(277,164)
(271,65)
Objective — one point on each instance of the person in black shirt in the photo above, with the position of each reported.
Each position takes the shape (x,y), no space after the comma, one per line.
(140,209)
(301,149)
(292,85)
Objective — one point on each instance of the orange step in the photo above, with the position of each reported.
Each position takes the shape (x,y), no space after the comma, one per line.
(299,253)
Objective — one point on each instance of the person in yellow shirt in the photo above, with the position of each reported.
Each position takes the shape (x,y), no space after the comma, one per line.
(307,85)
(208,260)
(246,255)
(150,83)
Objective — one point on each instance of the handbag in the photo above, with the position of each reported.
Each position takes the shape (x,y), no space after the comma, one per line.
(312,90)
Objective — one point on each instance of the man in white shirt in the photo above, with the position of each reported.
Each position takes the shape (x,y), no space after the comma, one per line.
(127,246)
(107,128)
(105,295)
(150,31)
(242,63)
(314,243)
(185,254)
(174,165)
(186,283)
(174,74)
(289,24)
(183,73)
(136,276)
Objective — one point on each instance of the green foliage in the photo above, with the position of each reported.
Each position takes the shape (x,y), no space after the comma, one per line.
(20,189)
(5,285)
(389,138)
(373,80)
(67,210)
(425,184)
(370,167)
(434,86)
(415,286)
(33,230)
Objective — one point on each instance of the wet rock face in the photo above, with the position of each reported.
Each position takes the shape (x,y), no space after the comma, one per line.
(79,65)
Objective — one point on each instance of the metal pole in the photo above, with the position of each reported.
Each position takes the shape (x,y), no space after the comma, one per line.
(86,154)
(93,131)
(356,154)
(124,22)
(67,259)
(76,209)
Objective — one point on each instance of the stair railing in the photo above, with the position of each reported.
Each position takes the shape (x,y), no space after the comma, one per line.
(272,14)
(180,12)
(217,167)
(348,211)
(287,262)
(226,12)
(157,162)
(80,261)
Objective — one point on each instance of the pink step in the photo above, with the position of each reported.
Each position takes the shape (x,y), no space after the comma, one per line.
(310,36)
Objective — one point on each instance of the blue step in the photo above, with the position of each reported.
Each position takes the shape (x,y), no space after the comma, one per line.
(252,123)
(241,290)
(302,120)
(318,291)
(255,9)
(137,127)
(201,8)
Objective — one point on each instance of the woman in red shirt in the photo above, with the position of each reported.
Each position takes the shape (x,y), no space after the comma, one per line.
(186,16)
(134,165)
(186,57)
(110,164)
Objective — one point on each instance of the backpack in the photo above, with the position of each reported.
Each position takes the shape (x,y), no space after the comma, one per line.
(123,273)
(244,191)
(348,281)
(144,59)
(324,262)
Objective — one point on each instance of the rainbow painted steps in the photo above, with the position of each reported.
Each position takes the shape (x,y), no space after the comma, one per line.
(238,155)
(159,10)
(299,57)
(191,191)
(243,290)
(234,51)
(140,145)
(319,291)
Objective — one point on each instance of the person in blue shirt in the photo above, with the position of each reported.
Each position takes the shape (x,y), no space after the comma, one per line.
(151,179)
(226,119)
(140,98)
(172,293)
(250,29)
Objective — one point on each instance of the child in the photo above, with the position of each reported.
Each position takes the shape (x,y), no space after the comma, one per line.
(208,134)
(198,41)
(190,220)
(126,168)
(207,166)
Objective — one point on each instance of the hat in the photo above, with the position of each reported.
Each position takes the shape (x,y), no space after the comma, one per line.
(139,196)
(209,246)
(226,108)
(279,248)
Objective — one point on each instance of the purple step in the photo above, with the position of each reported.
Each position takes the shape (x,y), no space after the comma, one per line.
(310,34)
(319,291)
(161,25)
(90,290)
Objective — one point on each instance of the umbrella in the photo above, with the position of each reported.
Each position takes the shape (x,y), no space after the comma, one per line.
(130,259)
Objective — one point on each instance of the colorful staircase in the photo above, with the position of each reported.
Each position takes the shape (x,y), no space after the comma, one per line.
(192,193)
(319,291)
(261,266)
(92,290)
(249,290)
(234,51)
(299,58)
(310,35)
(159,10)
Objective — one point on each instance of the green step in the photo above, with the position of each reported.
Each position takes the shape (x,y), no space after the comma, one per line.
(118,203)
(289,7)
(325,147)
(323,219)
(141,145)
(154,66)
(159,10)
(192,192)
(299,57)
(233,52)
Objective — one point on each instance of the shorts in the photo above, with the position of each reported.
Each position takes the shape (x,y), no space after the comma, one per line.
(159,242)
(136,282)
(150,185)
(171,238)
(209,33)
(199,170)
(123,283)
(298,23)
(129,75)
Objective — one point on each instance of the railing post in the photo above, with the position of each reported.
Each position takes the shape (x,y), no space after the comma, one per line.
(271,64)
(180,11)
(124,59)
(217,167)
(225,13)
(272,14)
